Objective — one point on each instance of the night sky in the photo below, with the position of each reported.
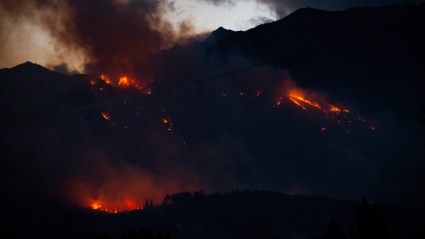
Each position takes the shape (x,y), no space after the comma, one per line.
(124,100)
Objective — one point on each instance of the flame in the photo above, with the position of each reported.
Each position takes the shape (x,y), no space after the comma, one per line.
(299,99)
(125,205)
(124,81)
(106,79)
(106,116)
(96,206)
(305,100)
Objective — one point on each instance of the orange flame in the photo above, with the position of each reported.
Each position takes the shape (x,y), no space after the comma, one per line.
(106,79)
(125,205)
(106,116)
(304,99)
(298,99)
(124,81)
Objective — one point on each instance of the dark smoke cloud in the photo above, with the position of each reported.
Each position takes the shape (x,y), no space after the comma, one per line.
(116,37)
(120,36)
(35,29)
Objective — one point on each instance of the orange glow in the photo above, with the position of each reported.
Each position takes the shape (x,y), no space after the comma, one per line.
(278,102)
(106,79)
(114,206)
(335,109)
(304,99)
(106,116)
(96,206)
(167,121)
(296,102)
(297,99)
(148,91)
(123,81)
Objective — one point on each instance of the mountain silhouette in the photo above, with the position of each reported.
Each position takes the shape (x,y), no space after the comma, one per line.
(69,139)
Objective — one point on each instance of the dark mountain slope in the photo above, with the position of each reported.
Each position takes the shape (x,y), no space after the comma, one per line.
(379,51)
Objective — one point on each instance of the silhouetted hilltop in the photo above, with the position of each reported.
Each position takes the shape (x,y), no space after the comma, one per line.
(255,214)
(219,34)
(342,51)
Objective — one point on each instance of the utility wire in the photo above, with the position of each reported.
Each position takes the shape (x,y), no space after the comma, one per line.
(330,45)
(56,113)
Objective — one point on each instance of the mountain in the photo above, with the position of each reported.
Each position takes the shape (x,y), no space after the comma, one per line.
(334,112)
(367,48)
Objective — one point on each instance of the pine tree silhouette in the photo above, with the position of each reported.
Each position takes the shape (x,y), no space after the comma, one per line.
(369,222)
(333,231)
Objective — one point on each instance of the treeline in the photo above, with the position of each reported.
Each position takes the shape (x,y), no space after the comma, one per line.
(245,215)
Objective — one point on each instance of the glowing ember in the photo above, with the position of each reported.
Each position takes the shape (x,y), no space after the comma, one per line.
(167,121)
(106,116)
(106,79)
(279,102)
(148,91)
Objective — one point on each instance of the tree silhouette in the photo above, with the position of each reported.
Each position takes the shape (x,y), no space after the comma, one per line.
(333,231)
(369,223)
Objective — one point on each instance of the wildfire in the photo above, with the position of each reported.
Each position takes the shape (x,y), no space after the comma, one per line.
(124,205)
(124,82)
(301,99)
(106,79)
(106,116)
(168,123)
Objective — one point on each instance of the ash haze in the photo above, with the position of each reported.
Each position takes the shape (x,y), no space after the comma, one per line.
(45,31)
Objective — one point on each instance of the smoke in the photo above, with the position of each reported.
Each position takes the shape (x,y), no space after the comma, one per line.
(30,30)
(116,37)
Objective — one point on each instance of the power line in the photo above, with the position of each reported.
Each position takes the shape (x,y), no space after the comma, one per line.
(330,45)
